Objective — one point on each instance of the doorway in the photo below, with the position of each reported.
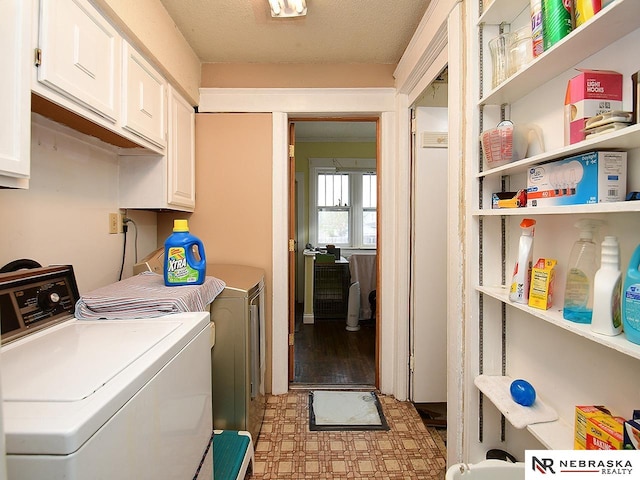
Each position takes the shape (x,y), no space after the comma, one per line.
(334,188)
(428,314)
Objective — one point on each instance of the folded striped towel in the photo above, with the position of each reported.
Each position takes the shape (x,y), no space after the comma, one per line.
(145,295)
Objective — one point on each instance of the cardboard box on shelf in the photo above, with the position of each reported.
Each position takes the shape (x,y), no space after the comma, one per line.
(604,433)
(584,413)
(590,93)
(509,199)
(542,283)
(593,177)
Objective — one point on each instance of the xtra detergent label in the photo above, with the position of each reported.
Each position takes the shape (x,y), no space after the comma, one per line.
(178,269)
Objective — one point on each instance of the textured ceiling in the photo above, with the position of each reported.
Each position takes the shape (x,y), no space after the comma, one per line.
(333,31)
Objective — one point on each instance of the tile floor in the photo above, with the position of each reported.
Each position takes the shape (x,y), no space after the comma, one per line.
(287,449)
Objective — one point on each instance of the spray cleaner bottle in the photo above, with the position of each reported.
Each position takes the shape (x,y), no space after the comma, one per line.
(581,270)
(184,258)
(607,288)
(519,291)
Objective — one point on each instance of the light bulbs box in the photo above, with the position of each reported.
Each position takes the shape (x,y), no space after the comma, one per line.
(593,177)
(590,93)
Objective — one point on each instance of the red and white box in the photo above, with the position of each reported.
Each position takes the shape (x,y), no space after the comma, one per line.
(590,93)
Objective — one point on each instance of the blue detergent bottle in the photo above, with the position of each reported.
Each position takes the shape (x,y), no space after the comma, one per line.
(631,299)
(185,262)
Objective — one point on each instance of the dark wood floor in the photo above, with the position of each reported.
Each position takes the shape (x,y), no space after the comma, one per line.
(327,354)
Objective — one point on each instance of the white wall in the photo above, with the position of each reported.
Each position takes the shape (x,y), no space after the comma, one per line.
(63,217)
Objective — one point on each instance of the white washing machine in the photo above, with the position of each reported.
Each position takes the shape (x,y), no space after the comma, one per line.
(100,399)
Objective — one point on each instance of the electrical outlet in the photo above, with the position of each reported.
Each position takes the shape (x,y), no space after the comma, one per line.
(115,223)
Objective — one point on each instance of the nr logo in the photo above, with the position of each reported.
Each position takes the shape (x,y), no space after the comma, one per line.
(542,465)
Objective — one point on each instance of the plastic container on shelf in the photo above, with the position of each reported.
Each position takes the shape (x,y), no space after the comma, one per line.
(185,262)
(607,288)
(519,49)
(537,40)
(508,142)
(556,21)
(631,299)
(581,270)
(510,52)
(521,280)
(499,58)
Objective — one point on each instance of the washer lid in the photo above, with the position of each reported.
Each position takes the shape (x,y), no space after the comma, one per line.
(72,362)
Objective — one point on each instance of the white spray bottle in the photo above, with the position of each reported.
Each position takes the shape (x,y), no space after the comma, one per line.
(581,270)
(607,291)
(519,291)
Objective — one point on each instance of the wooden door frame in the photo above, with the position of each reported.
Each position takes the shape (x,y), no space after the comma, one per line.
(292,246)
(291,229)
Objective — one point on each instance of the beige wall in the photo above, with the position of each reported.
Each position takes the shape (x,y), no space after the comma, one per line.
(154,33)
(233,215)
(63,218)
(289,75)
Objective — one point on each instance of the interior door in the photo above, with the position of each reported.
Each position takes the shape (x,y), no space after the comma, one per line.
(428,378)
(292,248)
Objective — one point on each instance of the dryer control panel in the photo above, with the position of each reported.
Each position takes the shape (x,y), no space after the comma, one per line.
(36,298)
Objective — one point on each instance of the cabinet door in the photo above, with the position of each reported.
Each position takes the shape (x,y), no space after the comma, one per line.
(80,55)
(181,153)
(15,94)
(143,98)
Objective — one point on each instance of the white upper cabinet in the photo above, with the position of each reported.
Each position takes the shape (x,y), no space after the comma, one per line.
(181,152)
(144,96)
(163,182)
(80,55)
(15,94)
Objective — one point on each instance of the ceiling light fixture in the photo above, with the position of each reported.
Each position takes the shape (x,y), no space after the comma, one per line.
(288,8)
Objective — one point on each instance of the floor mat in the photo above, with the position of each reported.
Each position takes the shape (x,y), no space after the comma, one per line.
(338,410)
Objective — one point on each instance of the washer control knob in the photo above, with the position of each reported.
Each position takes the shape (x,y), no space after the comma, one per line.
(48,300)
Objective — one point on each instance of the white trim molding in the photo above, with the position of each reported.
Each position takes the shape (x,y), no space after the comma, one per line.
(429,39)
(300,101)
(379,102)
(280,283)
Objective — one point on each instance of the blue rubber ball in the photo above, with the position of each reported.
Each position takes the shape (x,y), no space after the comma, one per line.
(523,392)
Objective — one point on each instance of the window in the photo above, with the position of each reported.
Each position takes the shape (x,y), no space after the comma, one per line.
(343,207)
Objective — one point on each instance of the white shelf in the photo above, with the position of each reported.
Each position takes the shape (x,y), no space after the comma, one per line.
(496,389)
(612,207)
(611,24)
(625,139)
(556,435)
(553,316)
(540,420)
(599,33)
